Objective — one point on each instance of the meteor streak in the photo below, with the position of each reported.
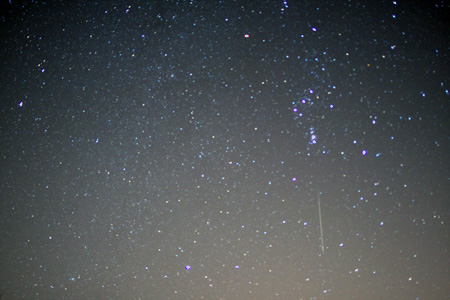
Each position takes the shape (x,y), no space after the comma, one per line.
(320,222)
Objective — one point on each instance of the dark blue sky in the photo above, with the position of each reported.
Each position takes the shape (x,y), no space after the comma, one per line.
(142,137)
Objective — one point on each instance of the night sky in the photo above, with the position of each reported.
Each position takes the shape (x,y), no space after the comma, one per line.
(179,149)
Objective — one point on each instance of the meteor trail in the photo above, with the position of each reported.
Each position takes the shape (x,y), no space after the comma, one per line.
(320,222)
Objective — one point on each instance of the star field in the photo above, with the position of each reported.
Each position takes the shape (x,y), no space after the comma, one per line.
(177,150)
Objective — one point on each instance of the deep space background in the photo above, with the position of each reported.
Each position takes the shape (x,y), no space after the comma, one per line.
(178,149)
